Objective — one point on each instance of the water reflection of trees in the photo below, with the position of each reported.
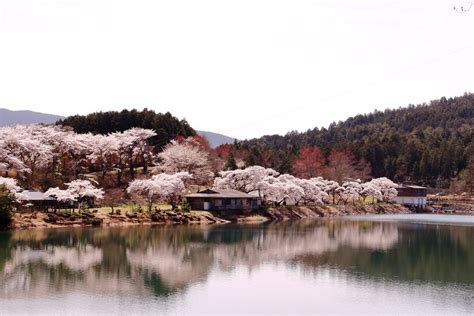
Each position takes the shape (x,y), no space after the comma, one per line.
(161,260)
(424,253)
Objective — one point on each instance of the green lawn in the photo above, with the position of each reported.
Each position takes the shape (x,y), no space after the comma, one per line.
(124,208)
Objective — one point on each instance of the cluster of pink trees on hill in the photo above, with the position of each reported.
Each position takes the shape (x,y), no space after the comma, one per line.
(285,188)
(53,155)
(45,156)
(36,152)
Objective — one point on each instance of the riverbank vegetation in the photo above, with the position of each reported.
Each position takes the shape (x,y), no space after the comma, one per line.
(79,167)
(80,171)
(146,158)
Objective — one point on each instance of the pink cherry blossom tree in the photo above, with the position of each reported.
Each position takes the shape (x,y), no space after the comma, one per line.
(162,187)
(25,143)
(186,156)
(349,191)
(133,144)
(312,192)
(369,189)
(104,152)
(82,191)
(278,191)
(246,180)
(387,188)
(11,187)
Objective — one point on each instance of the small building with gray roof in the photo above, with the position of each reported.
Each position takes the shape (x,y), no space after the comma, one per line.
(223,200)
(38,200)
(412,195)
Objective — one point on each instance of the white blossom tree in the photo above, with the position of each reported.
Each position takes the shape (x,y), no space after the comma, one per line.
(370,189)
(186,156)
(82,191)
(162,187)
(31,148)
(312,192)
(141,136)
(133,144)
(387,188)
(350,191)
(25,144)
(8,160)
(61,195)
(146,188)
(328,186)
(246,180)
(279,191)
(35,151)
(105,151)
(11,187)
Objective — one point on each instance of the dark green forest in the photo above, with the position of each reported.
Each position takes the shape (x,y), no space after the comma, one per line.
(430,144)
(165,125)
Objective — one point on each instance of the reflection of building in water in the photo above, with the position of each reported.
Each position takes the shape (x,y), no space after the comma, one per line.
(163,259)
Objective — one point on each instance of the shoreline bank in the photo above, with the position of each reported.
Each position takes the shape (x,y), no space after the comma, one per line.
(36,219)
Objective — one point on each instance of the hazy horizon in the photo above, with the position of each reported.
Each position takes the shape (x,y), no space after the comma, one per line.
(239,68)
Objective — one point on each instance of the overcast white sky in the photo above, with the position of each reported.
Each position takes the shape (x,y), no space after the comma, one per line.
(243,68)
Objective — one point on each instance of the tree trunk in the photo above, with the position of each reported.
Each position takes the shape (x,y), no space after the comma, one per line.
(145,165)
(132,170)
(119,177)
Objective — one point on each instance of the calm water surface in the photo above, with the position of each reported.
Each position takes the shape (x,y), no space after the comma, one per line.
(397,265)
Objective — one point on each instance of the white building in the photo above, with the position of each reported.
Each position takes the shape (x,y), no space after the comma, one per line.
(412,195)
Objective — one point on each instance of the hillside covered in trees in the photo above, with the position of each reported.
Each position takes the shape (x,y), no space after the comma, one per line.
(430,144)
(166,126)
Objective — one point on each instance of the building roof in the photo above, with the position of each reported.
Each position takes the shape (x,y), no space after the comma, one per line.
(408,186)
(214,193)
(35,196)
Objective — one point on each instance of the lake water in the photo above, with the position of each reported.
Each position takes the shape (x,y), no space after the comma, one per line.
(366,265)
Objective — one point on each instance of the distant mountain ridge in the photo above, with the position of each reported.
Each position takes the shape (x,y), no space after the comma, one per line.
(9,118)
(215,139)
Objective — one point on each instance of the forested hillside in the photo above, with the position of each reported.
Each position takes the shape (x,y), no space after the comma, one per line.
(428,143)
(166,126)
